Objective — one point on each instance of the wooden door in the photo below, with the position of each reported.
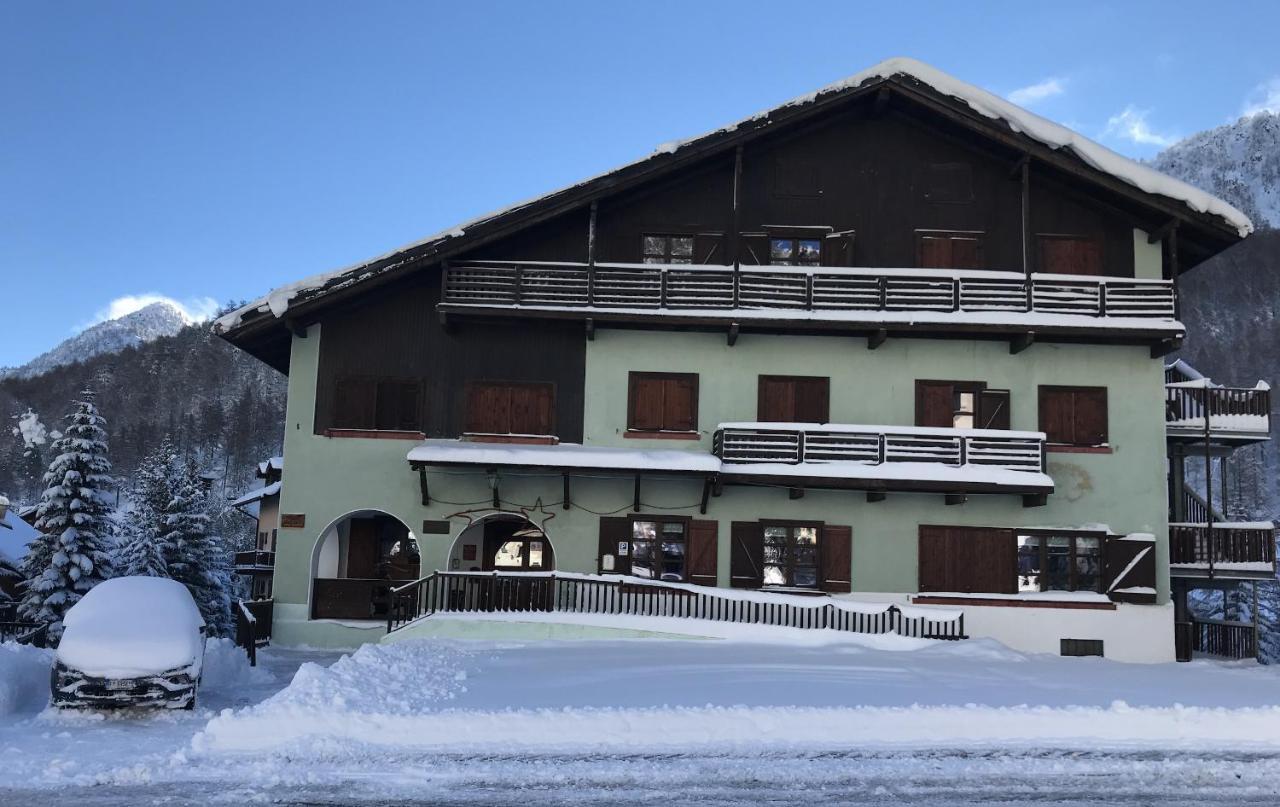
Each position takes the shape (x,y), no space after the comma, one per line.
(362,548)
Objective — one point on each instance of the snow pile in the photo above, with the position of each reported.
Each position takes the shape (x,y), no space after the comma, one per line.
(24,678)
(226,667)
(132,626)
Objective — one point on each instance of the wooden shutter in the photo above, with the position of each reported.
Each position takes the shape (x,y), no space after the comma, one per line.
(993,409)
(701,568)
(836,553)
(353,405)
(753,249)
(532,408)
(967,560)
(812,400)
(644,402)
(1068,255)
(746,554)
(935,404)
(709,248)
(680,404)
(1055,416)
(488,408)
(967,253)
(612,532)
(397,406)
(933,252)
(1090,410)
(775,399)
(1121,571)
(932,560)
(837,249)
(950,251)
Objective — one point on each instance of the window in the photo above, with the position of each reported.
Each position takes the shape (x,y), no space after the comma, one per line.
(1074,416)
(377,403)
(662,402)
(961,405)
(791,555)
(793,399)
(1048,562)
(658,549)
(510,407)
(668,249)
(938,249)
(795,251)
(1080,647)
(1070,255)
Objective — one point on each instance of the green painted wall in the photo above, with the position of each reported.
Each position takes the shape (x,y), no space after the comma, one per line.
(328,478)
(1147,258)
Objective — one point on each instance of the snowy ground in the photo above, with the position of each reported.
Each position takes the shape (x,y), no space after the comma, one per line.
(899,721)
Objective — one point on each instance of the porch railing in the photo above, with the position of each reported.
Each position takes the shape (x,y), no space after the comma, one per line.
(350,598)
(775,443)
(32,633)
(1231,409)
(255,559)
(253,626)
(471,592)
(1223,543)
(1226,639)
(646,286)
(1195,509)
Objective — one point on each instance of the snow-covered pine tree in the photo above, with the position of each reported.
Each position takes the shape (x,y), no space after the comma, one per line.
(71,555)
(196,559)
(144,550)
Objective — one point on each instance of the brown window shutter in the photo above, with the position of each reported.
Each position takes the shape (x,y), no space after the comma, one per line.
(932,559)
(1055,416)
(703,536)
(993,409)
(950,251)
(775,399)
(1091,416)
(836,552)
(967,253)
(680,404)
(488,408)
(837,250)
(1070,256)
(644,404)
(987,562)
(746,554)
(532,408)
(612,532)
(354,404)
(935,404)
(813,400)
(708,248)
(754,249)
(1118,555)
(933,252)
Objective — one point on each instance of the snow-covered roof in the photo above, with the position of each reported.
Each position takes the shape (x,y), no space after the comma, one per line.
(258,494)
(15,539)
(131,626)
(985,103)
(272,464)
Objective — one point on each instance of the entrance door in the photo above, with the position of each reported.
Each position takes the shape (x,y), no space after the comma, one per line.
(518,546)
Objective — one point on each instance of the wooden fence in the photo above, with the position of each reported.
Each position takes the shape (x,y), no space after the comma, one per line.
(631,286)
(253,626)
(1229,408)
(32,633)
(1226,639)
(1198,543)
(763,443)
(463,592)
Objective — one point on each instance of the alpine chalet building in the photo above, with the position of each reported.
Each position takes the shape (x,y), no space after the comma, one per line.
(891,351)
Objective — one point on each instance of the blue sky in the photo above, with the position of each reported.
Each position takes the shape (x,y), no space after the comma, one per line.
(210,151)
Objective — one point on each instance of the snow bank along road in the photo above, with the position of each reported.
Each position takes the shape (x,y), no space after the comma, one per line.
(857,720)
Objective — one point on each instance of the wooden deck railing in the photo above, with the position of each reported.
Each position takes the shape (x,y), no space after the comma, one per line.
(1195,509)
(255,559)
(775,443)
(1231,409)
(253,626)
(350,598)
(463,592)
(1198,543)
(629,286)
(32,633)
(1227,639)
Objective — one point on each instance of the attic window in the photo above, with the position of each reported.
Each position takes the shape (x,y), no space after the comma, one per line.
(668,249)
(795,251)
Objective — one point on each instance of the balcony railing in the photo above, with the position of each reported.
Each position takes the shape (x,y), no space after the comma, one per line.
(1222,544)
(651,286)
(749,443)
(255,559)
(1233,411)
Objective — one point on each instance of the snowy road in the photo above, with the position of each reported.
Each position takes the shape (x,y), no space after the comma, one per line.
(719,723)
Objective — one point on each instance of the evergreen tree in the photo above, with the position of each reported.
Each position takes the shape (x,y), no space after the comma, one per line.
(144,550)
(71,554)
(196,557)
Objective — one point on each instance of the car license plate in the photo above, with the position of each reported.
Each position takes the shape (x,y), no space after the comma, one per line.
(119,683)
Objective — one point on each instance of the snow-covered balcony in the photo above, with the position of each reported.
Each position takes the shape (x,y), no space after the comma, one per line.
(885,458)
(255,561)
(817,297)
(1224,549)
(1236,415)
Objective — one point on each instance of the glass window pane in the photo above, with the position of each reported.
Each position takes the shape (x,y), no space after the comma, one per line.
(1028,563)
(775,535)
(780,249)
(805,555)
(655,245)
(774,553)
(810,251)
(509,555)
(682,246)
(805,576)
(1057,571)
(774,575)
(535,554)
(654,259)
(644,530)
(1088,563)
(673,529)
(807,535)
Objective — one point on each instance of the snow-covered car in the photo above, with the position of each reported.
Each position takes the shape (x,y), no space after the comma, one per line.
(131,641)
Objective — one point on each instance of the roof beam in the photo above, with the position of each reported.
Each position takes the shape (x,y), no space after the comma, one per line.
(1021,342)
(877,338)
(1159,235)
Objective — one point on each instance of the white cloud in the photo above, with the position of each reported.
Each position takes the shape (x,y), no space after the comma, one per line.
(195,309)
(1025,96)
(1264,98)
(1131,124)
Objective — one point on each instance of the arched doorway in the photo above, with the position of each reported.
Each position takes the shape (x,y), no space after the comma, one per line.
(357,561)
(502,542)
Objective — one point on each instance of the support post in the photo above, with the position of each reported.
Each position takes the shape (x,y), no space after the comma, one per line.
(422,483)
(636,497)
(1021,342)
(735,235)
(732,337)
(591,329)
(706,494)
(566,503)
(1024,173)
(591,235)
(877,338)
(1208,477)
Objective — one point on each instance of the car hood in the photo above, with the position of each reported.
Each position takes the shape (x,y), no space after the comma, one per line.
(130,627)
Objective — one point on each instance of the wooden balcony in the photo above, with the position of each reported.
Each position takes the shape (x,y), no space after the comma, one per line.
(1236,415)
(884,457)
(255,561)
(815,297)
(1233,640)
(1227,550)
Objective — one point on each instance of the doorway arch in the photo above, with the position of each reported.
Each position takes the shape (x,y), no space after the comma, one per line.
(356,562)
(502,542)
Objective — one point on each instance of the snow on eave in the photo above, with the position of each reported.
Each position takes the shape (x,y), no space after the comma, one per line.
(985,103)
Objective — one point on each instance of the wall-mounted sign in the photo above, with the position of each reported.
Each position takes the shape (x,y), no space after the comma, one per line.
(623,549)
(293,521)
(455,564)
(435,528)
(468,551)
(606,563)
